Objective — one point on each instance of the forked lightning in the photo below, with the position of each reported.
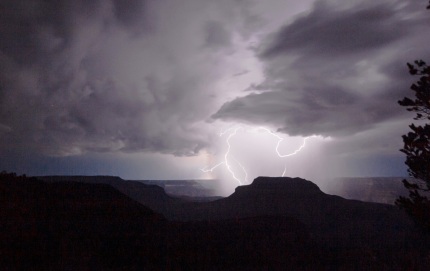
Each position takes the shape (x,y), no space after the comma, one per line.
(227,156)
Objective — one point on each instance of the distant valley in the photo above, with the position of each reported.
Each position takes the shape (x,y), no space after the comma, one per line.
(372,189)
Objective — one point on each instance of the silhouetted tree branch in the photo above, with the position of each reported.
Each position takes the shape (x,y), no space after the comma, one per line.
(417,148)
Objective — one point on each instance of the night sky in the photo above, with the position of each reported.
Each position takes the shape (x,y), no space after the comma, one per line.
(160,89)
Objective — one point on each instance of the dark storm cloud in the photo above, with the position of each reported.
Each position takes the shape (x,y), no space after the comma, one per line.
(336,70)
(335,33)
(129,12)
(216,35)
(32,29)
(309,113)
(108,75)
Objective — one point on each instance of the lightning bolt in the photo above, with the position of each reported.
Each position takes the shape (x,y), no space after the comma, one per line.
(232,132)
(280,139)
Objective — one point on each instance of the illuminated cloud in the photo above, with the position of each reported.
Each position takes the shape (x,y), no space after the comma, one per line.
(336,70)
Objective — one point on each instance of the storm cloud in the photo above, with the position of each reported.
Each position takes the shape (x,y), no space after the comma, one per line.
(337,70)
(110,75)
(124,86)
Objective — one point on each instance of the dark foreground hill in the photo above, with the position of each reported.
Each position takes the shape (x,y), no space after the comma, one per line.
(334,222)
(73,226)
(80,226)
(272,224)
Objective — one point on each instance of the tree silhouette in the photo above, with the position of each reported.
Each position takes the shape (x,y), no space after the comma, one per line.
(417,148)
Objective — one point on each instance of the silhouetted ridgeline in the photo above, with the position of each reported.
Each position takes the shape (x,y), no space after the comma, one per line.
(73,226)
(274,224)
(332,220)
(79,226)
(149,195)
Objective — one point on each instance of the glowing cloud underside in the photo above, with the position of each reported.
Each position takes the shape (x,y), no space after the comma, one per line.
(228,157)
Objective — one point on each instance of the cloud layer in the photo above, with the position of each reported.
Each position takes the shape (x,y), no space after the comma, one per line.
(88,79)
(110,75)
(337,70)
